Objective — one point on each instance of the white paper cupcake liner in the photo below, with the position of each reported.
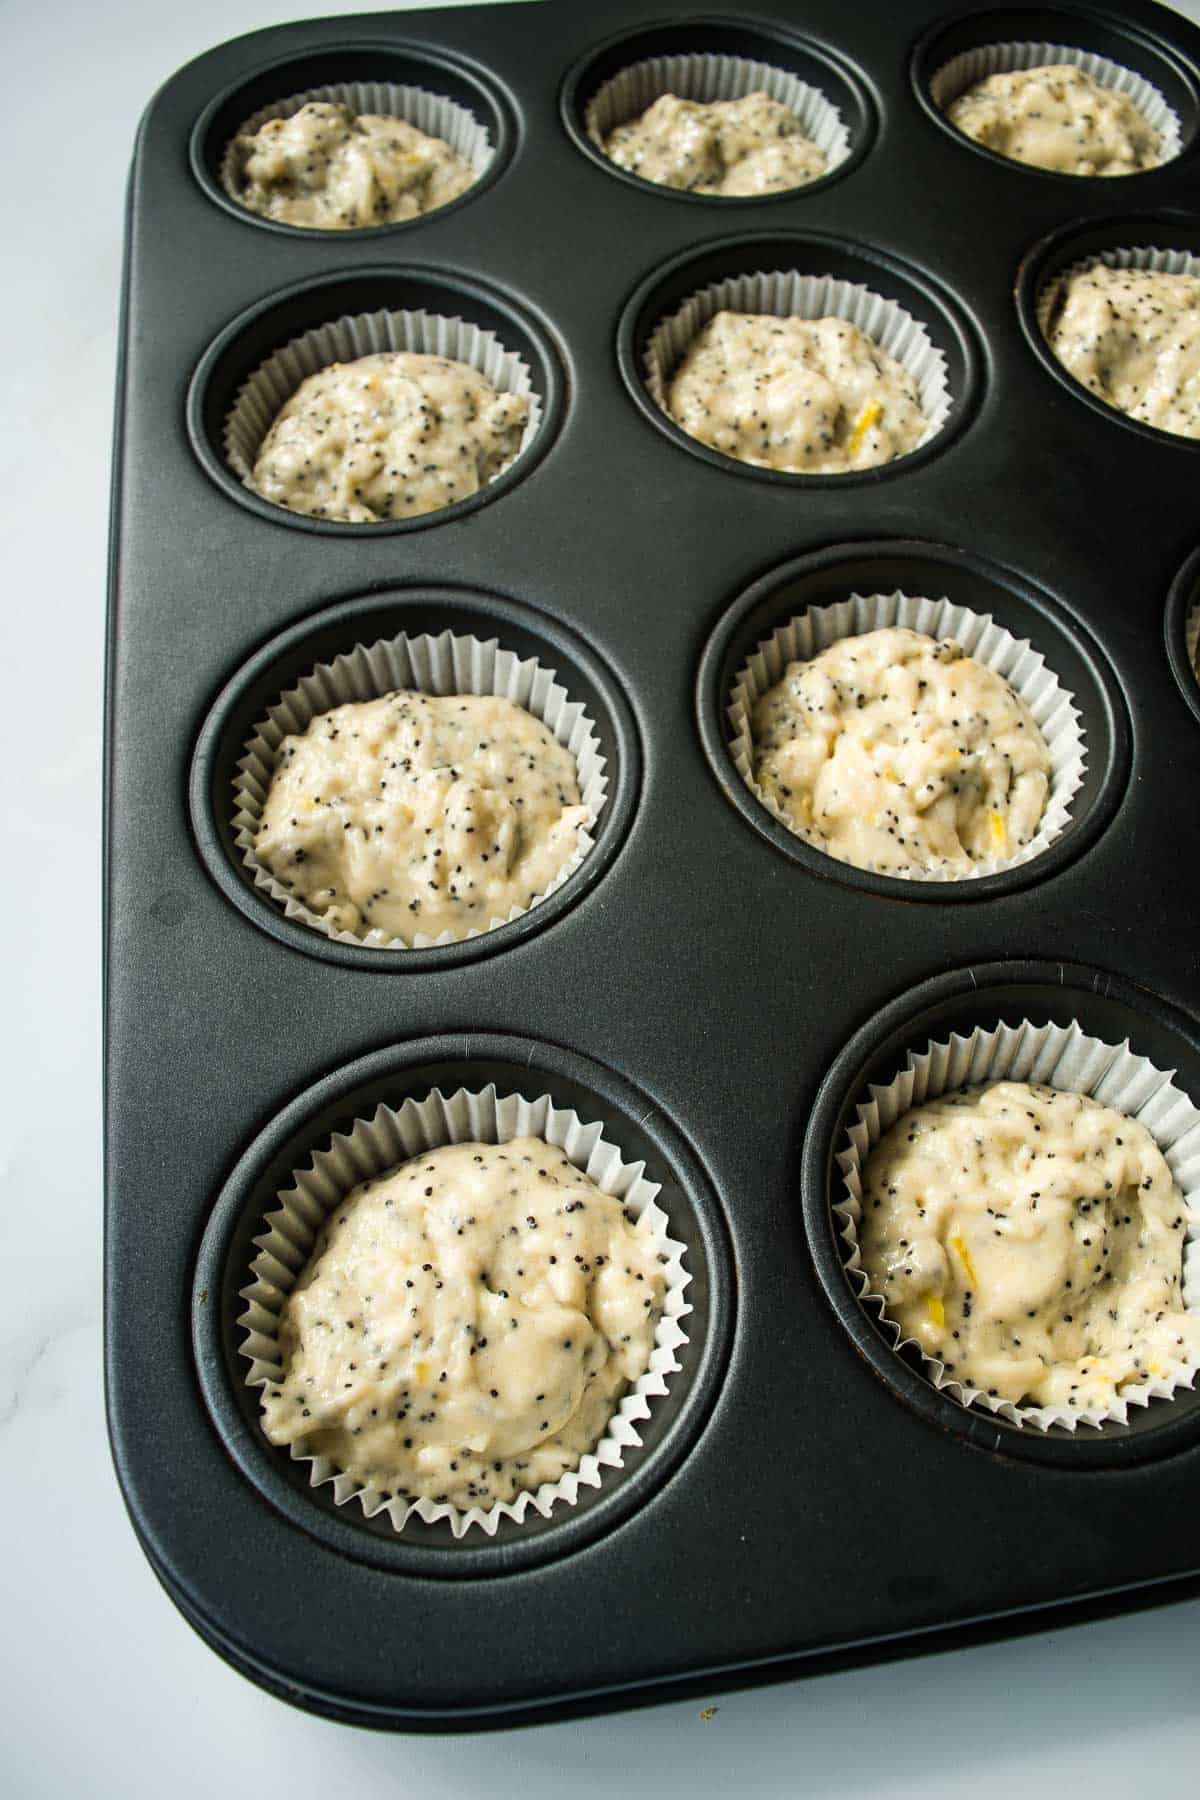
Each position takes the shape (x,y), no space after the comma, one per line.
(1023,667)
(374,1147)
(433,665)
(786,294)
(433,114)
(707,78)
(263,396)
(962,72)
(1144,258)
(1054,1056)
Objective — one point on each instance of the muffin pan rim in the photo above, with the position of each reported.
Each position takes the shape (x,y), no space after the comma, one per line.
(547,363)
(1166,1427)
(923,65)
(721,658)
(504,116)
(215,1337)
(464,607)
(572,102)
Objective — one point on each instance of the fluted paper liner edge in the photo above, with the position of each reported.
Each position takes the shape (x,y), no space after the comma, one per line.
(786,294)
(434,114)
(1015,659)
(264,394)
(1055,1056)
(447,664)
(1145,259)
(374,1147)
(964,71)
(628,94)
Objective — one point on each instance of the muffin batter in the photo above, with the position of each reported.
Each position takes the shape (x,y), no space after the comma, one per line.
(1133,337)
(815,396)
(418,813)
(388,436)
(466,1325)
(733,147)
(1057,118)
(897,753)
(336,170)
(1032,1241)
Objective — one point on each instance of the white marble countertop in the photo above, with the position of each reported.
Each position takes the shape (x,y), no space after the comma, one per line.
(105,1690)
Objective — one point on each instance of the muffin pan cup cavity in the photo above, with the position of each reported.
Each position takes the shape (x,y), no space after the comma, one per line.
(1069,1027)
(375,1147)
(1162,243)
(718,59)
(800,607)
(439,641)
(260,360)
(441,665)
(1055,1056)
(363,1121)
(435,93)
(1116,53)
(809,277)
(978,635)
(1182,629)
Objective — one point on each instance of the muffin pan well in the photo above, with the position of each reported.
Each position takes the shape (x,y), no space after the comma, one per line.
(710,990)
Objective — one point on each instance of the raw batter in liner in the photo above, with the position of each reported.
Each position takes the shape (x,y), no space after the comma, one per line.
(816,396)
(895,752)
(335,170)
(1058,118)
(754,145)
(388,436)
(1133,337)
(1031,1240)
(466,1325)
(421,813)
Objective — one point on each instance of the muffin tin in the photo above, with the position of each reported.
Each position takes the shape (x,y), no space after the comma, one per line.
(714,993)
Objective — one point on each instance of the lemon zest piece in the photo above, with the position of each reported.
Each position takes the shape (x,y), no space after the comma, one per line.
(870,415)
(421,1371)
(999,830)
(964,1256)
(937,1312)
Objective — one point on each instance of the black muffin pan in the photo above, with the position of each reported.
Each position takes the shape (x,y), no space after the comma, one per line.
(713,991)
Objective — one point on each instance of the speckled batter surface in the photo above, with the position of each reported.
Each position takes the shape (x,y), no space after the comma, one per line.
(387,436)
(331,169)
(466,1325)
(1132,336)
(815,396)
(895,752)
(1032,1241)
(420,813)
(754,145)
(1059,118)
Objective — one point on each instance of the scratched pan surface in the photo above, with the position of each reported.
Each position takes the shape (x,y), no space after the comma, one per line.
(715,996)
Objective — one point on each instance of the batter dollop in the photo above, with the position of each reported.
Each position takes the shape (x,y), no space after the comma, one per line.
(1058,118)
(1032,1241)
(815,396)
(1133,337)
(388,436)
(337,170)
(754,145)
(420,813)
(895,752)
(466,1325)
